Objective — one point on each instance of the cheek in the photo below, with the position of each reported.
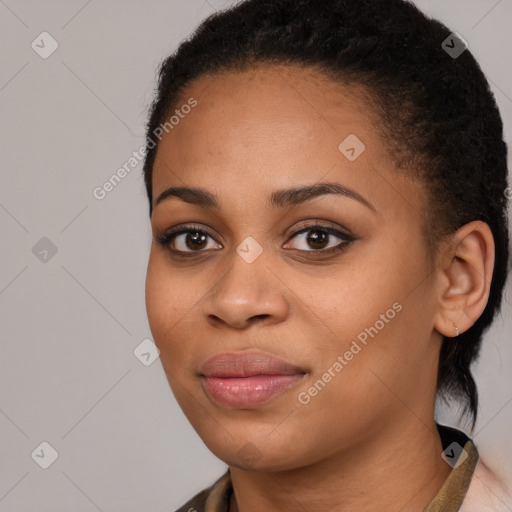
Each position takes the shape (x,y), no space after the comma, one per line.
(159,297)
(382,325)
(169,297)
(380,304)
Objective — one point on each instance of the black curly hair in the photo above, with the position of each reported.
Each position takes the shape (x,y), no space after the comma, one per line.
(437,115)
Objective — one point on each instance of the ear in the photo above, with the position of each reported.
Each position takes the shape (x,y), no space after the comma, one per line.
(465,269)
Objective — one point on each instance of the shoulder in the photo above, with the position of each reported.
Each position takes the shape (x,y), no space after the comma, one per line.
(486,492)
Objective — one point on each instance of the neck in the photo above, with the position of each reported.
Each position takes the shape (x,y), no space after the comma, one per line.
(402,469)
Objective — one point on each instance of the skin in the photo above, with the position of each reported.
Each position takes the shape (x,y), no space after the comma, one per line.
(369,435)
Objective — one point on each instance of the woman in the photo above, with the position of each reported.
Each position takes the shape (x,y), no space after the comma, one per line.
(327,186)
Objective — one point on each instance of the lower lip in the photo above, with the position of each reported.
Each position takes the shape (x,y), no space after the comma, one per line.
(247,392)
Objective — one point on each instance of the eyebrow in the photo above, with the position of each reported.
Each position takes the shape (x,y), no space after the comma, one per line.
(278,198)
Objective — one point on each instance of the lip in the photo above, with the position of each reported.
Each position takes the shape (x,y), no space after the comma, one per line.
(243,380)
(247,364)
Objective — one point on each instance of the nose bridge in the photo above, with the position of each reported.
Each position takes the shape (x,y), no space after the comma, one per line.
(248,289)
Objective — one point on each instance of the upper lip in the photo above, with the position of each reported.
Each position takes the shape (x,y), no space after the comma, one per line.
(247,364)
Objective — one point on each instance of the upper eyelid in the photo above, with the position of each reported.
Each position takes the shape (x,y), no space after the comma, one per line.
(304,226)
(307,225)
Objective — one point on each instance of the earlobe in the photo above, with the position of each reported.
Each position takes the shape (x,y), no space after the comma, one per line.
(465,278)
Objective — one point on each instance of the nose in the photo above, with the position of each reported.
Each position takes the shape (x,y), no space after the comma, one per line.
(248,293)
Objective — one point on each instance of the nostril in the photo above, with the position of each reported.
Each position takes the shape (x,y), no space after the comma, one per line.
(260,317)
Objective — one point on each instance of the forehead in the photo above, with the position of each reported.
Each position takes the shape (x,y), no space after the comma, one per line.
(271,127)
(265,114)
(272,93)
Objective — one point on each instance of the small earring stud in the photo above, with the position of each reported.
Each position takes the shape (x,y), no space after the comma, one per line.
(456,329)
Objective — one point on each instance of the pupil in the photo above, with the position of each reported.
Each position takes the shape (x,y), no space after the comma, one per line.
(196,240)
(317,239)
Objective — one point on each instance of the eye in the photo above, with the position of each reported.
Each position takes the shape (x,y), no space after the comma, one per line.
(320,238)
(314,238)
(187,239)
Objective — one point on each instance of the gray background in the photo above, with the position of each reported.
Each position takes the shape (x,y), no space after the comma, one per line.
(70,324)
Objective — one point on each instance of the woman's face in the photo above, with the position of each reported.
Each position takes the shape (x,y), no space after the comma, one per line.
(334,280)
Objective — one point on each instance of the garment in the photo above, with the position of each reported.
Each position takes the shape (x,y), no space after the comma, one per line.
(449,498)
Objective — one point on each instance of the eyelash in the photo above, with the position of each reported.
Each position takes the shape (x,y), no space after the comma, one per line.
(165,239)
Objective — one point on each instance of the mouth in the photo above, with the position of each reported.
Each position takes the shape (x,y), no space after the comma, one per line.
(243,380)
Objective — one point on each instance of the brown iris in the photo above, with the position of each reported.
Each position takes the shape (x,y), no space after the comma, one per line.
(196,240)
(317,239)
